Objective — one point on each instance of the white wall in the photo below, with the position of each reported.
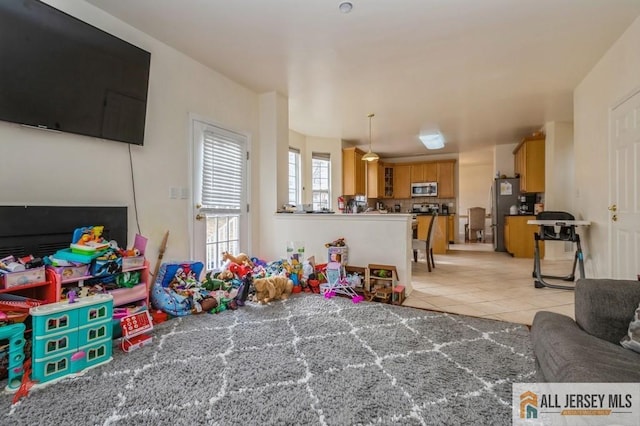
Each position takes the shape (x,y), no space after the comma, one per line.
(308,145)
(503,160)
(475,177)
(559,180)
(616,76)
(330,146)
(44,168)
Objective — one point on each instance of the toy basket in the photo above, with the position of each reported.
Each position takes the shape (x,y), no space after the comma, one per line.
(167,300)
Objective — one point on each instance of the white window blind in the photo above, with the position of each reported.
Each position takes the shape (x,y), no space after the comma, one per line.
(294,176)
(222,171)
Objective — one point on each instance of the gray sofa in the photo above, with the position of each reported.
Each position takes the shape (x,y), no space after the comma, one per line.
(588,349)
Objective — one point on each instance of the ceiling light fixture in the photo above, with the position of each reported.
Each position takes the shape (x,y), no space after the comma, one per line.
(370,156)
(432,140)
(345,6)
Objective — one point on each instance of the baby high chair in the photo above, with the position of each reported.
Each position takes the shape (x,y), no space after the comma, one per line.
(562,228)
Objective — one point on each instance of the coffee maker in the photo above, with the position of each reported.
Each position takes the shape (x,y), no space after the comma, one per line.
(527,204)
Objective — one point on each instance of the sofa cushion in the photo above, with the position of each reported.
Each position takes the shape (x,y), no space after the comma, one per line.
(604,307)
(632,338)
(566,353)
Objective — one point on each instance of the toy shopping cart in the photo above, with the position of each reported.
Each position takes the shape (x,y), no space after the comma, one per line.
(338,284)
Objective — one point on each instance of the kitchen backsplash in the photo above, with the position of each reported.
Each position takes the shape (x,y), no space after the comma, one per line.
(407,204)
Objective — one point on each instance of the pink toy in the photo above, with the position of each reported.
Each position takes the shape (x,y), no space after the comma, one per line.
(337,283)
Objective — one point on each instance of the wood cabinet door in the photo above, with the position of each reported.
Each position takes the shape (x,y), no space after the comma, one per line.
(519,236)
(430,172)
(353,172)
(534,165)
(361,173)
(528,161)
(388,181)
(451,236)
(373,175)
(445,179)
(416,173)
(402,181)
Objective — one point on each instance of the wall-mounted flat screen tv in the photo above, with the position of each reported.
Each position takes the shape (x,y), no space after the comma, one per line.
(59,73)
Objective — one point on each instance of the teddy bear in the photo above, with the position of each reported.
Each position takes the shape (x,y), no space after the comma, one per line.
(240,259)
(272,288)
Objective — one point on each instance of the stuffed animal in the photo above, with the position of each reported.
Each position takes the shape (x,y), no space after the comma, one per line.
(272,288)
(240,259)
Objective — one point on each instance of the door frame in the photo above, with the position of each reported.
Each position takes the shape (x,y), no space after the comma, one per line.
(613,182)
(245,240)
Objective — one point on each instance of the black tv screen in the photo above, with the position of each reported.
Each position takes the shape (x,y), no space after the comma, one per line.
(59,73)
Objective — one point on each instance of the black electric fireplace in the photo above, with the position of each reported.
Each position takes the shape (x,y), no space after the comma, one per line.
(43,230)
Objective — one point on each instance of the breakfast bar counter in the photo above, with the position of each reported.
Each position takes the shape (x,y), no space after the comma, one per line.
(371,238)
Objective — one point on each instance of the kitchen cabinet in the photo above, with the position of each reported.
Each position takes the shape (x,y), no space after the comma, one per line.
(375,181)
(529,163)
(353,172)
(424,172)
(451,228)
(388,181)
(402,181)
(519,236)
(445,179)
(444,228)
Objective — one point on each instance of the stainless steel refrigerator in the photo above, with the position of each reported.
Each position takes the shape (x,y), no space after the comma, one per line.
(504,194)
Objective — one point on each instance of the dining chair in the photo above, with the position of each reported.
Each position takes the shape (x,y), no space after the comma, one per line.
(426,245)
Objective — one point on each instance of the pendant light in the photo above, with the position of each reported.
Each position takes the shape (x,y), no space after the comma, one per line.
(370,156)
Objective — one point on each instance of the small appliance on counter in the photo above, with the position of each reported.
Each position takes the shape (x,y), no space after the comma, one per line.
(527,203)
(444,209)
(425,208)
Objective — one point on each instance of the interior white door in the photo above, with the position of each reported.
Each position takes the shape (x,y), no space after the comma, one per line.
(624,206)
(219,208)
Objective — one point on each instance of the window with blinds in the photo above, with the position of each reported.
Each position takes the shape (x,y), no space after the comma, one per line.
(221,222)
(223,159)
(321,181)
(294,177)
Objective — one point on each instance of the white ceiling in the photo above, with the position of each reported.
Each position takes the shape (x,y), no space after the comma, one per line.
(483,72)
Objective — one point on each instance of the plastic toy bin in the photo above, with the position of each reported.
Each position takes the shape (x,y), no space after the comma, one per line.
(71,272)
(71,337)
(28,276)
(131,262)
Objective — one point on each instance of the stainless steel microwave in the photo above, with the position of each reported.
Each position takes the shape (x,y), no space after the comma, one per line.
(425,189)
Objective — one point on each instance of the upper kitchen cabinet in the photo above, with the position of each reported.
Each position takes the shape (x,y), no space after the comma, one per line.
(424,172)
(375,179)
(402,181)
(388,181)
(353,172)
(529,163)
(445,179)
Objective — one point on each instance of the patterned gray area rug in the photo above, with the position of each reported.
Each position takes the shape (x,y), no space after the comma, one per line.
(305,361)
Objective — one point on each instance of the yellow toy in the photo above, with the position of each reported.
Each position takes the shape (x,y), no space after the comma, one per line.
(272,288)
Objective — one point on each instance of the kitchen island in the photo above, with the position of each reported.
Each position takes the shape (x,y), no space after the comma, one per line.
(371,237)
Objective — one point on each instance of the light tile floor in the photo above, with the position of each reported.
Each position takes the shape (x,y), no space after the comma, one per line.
(474,280)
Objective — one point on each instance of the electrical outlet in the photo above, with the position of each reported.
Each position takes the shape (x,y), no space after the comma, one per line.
(184,193)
